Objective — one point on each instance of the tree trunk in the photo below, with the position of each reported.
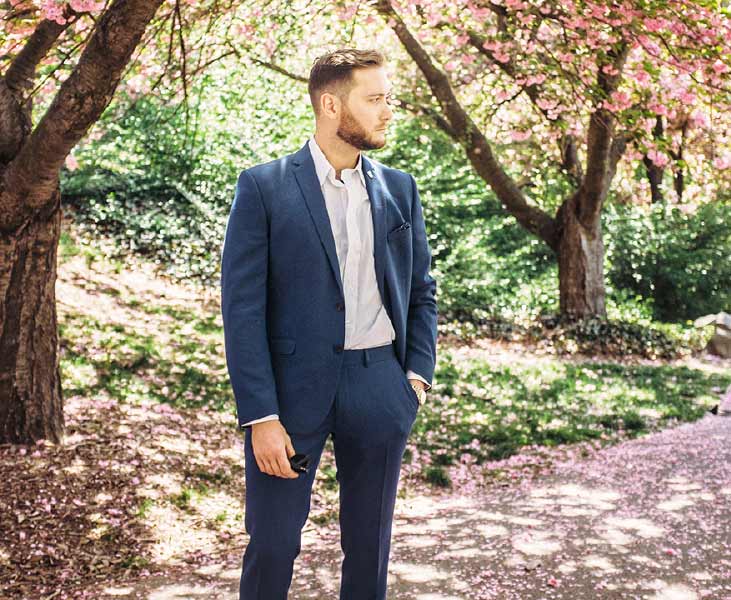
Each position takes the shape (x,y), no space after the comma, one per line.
(580,265)
(30,392)
(654,176)
(30,209)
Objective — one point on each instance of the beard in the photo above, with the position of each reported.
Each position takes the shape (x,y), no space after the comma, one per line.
(352,132)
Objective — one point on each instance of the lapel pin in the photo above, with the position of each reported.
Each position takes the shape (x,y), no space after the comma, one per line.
(370,173)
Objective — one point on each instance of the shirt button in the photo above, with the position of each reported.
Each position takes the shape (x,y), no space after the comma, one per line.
(338,348)
(340,306)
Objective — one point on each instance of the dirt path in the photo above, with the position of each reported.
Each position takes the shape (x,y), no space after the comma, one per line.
(648,519)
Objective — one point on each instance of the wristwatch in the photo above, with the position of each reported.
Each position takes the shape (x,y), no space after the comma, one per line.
(420,393)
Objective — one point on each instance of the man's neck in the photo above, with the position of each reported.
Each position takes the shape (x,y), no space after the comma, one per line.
(339,154)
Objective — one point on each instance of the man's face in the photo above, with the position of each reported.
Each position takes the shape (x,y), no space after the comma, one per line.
(366,111)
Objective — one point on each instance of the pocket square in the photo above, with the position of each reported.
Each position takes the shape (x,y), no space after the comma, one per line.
(404,225)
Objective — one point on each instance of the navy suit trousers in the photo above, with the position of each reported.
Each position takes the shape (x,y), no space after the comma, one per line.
(373,411)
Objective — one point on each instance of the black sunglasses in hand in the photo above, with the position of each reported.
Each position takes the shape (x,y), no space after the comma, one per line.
(300,463)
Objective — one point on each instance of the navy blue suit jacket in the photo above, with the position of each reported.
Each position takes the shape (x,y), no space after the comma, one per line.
(281,294)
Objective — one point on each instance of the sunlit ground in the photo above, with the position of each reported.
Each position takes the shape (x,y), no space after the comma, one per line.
(635,521)
(508,490)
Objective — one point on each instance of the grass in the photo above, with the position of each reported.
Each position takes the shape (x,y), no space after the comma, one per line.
(146,346)
(491,411)
(166,364)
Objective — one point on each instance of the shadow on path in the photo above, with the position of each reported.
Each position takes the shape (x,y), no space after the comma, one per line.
(646,519)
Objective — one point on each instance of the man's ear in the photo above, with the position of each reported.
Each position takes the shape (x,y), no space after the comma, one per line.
(329,105)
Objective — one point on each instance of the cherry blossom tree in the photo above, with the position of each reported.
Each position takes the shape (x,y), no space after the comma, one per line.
(592,88)
(30,215)
(595,91)
(599,75)
(67,58)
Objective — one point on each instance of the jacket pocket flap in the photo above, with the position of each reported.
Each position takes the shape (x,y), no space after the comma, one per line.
(281,345)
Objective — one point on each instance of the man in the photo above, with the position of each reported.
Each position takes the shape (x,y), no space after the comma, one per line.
(330,323)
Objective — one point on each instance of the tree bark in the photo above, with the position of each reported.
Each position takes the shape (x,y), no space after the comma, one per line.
(31,406)
(655,173)
(580,264)
(654,176)
(467,134)
(30,389)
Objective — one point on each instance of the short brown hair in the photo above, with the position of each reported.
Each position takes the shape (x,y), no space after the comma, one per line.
(333,71)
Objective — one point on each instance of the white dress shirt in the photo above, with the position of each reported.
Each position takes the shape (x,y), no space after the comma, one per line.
(366,321)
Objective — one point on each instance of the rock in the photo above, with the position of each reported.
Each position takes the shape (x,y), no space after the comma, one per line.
(720,343)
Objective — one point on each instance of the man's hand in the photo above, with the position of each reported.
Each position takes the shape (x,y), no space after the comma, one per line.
(418,382)
(272,449)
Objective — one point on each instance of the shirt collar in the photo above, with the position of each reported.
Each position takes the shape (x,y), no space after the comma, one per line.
(323,166)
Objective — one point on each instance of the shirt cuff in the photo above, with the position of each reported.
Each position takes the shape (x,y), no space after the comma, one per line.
(267,418)
(411,375)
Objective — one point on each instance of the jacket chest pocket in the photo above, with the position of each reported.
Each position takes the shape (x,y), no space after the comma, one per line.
(399,234)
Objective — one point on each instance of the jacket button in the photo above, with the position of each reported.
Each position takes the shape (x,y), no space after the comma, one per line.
(338,348)
(340,306)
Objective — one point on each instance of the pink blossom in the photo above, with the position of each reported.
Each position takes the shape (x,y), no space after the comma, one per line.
(687,97)
(621,99)
(719,67)
(659,109)
(660,159)
(642,76)
(535,79)
(71,163)
(544,104)
(699,118)
(518,136)
(86,5)
(722,162)
(478,13)
(654,24)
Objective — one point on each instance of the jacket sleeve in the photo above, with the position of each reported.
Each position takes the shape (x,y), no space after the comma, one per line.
(421,322)
(243,303)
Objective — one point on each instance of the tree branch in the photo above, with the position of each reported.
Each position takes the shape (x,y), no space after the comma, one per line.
(420,109)
(567,145)
(31,178)
(467,134)
(280,70)
(595,186)
(21,72)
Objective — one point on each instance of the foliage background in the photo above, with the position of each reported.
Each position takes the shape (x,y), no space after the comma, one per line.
(160,187)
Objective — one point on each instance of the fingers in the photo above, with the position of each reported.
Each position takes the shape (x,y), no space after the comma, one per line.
(272,456)
(289,447)
(278,466)
(284,468)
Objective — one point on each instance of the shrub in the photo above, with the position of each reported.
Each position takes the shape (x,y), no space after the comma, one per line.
(680,261)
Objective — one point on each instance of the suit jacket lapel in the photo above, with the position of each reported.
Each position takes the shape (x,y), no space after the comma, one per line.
(306,176)
(304,172)
(377,195)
